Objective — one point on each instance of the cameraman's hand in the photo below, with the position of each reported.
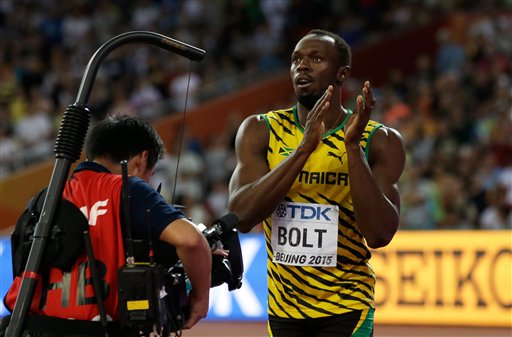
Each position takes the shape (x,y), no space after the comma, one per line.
(221,252)
(198,308)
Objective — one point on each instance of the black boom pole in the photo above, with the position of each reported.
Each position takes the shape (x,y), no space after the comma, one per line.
(67,150)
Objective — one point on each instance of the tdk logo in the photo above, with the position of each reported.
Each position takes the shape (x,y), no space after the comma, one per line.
(304,212)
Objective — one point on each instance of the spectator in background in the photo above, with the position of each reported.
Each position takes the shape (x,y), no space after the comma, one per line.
(217,199)
(421,207)
(498,213)
(217,155)
(184,87)
(146,99)
(451,55)
(35,129)
(145,15)
(121,102)
(186,180)
(9,146)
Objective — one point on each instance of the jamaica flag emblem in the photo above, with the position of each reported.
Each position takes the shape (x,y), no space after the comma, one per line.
(285,151)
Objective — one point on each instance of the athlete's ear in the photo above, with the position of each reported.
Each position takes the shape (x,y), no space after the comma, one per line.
(342,75)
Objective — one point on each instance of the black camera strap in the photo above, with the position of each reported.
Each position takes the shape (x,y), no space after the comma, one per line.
(126,223)
(96,282)
(139,282)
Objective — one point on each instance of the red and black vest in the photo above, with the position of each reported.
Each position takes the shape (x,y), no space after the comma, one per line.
(70,294)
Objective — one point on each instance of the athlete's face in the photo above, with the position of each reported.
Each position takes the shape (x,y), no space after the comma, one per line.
(314,66)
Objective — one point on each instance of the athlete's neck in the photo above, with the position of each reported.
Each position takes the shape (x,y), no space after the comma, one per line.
(332,118)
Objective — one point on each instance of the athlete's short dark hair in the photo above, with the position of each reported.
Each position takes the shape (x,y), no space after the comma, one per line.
(342,46)
(121,137)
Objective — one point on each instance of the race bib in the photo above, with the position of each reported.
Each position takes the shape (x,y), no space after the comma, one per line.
(305,234)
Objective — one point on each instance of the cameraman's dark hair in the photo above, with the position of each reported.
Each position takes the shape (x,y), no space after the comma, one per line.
(120,137)
(342,46)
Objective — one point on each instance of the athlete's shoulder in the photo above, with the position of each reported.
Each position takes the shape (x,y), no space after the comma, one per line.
(387,142)
(383,133)
(279,113)
(255,124)
(374,124)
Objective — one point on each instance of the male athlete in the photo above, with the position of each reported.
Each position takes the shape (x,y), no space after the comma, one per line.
(323,180)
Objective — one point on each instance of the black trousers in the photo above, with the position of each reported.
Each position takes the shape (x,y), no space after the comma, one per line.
(332,326)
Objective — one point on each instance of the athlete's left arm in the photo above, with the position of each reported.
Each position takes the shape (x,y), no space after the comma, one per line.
(374,190)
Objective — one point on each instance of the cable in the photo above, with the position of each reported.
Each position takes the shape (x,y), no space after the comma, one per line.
(182,131)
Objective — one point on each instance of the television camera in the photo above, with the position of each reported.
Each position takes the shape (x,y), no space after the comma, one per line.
(153,295)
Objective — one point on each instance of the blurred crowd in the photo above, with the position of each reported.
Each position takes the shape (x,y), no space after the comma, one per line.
(454,112)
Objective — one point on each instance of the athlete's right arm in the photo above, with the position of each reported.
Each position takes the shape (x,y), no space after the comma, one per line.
(254,190)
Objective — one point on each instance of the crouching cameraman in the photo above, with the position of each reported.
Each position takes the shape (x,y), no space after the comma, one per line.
(95,188)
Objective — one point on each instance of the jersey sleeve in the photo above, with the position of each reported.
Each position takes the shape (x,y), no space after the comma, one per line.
(143,197)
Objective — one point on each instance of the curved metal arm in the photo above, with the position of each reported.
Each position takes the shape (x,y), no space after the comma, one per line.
(158,40)
(67,150)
